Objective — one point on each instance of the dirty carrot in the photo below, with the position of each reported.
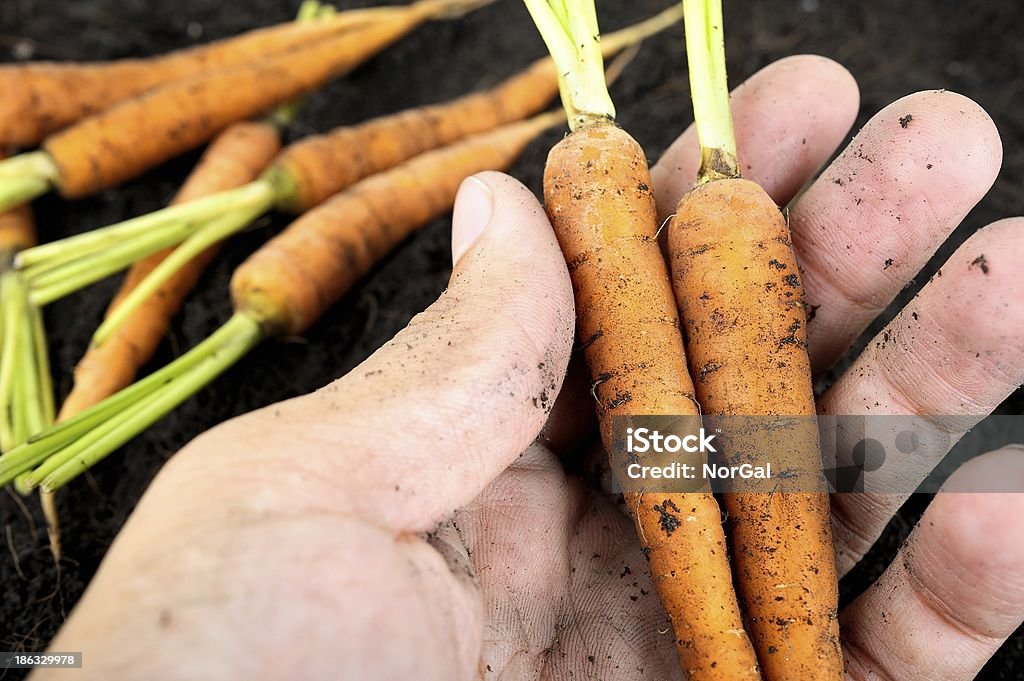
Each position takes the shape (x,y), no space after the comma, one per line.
(43,97)
(280,291)
(303,176)
(137,134)
(739,290)
(597,190)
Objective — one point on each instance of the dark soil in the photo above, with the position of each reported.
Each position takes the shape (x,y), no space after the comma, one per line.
(892,48)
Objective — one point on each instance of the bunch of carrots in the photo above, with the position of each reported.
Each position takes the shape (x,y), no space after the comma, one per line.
(753,598)
(360,191)
(733,280)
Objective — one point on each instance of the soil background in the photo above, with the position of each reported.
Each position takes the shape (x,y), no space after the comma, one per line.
(893,47)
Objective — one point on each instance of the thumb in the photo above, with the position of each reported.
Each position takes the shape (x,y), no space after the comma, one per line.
(422,426)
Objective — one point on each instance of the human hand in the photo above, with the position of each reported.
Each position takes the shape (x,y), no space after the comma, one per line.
(400,522)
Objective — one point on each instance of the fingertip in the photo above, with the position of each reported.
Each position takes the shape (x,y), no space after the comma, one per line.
(965,139)
(474,207)
(519,239)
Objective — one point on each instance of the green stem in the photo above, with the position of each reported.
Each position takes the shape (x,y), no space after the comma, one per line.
(12,299)
(198,212)
(709,89)
(24,177)
(17,191)
(570,31)
(27,406)
(47,406)
(213,233)
(226,346)
(27,411)
(54,284)
(39,447)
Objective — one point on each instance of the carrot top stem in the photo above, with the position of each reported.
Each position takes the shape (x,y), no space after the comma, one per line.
(12,307)
(96,244)
(214,232)
(225,347)
(570,31)
(25,177)
(26,391)
(709,88)
(68,449)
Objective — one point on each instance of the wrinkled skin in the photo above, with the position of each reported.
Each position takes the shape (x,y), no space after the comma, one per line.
(293,542)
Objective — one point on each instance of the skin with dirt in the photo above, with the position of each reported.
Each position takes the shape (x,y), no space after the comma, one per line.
(952,46)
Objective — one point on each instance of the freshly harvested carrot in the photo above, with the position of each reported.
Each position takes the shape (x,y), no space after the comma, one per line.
(280,290)
(43,97)
(738,286)
(317,167)
(128,139)
(236,157)
(303,176)
(597,190)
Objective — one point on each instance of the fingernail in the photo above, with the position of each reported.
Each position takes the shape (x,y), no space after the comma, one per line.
(474,205)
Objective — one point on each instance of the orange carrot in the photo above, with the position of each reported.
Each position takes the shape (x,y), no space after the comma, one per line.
(597,191)
(280,290)
(738,287)
(43,97)
(290,282)
(739,290)
(128,139)
(236,157)
(315,168)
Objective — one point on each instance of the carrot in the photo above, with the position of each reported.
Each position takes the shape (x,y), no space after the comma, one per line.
(738,286)
(43,97)
(597,190)
(280,290)
(236,157)
(303,176)
(313,169)
(131,137)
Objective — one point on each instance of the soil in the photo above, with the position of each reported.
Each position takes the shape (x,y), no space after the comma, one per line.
(892,48)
